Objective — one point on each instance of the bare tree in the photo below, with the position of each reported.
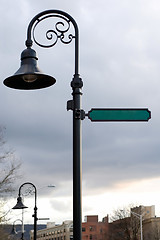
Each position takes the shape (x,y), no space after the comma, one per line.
(123,225)
(9,167)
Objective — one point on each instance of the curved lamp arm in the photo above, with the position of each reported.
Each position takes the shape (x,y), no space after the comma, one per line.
(16,221)
(57,32)
(29,183)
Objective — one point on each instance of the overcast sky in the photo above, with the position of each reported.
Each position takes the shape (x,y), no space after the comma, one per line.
(120,67)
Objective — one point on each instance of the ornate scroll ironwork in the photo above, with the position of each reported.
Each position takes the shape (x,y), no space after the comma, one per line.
(27,189)
(59,31)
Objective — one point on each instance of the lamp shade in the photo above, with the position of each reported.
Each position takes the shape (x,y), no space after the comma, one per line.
(19,204)
(29,76)
(13,231)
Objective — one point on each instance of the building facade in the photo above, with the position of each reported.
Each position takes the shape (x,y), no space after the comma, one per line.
(151,228)
(55,232)
(92,229)
(129,227)
(146,211)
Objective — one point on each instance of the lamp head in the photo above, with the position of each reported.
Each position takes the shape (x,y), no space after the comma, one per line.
(29,76)
(13,231)
(19,204)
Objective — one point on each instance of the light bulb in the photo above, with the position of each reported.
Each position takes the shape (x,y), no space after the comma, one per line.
(29,78)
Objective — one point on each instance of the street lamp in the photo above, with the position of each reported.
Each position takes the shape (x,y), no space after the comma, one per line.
(20,204)
(140,218)
(30,77)
(13,231)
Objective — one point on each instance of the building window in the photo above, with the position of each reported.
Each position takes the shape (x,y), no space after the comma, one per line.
(90,237)
(92,228)
(83,229)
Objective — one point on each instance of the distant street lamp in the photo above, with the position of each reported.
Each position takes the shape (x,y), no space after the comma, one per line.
(30,77)
(141,223)
(13,231)
(20,204)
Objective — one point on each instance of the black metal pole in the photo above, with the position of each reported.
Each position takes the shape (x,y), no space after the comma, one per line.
(35,222)
(22,236)
(35,214)
(77,159)
(22,225)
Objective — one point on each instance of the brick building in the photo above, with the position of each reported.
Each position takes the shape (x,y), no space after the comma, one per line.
(92,229)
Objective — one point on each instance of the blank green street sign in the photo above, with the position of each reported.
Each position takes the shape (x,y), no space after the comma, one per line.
(119,114)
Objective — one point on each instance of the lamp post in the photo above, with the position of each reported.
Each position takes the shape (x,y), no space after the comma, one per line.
(30,77)
(20,204)
(13,231)
(140,218)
